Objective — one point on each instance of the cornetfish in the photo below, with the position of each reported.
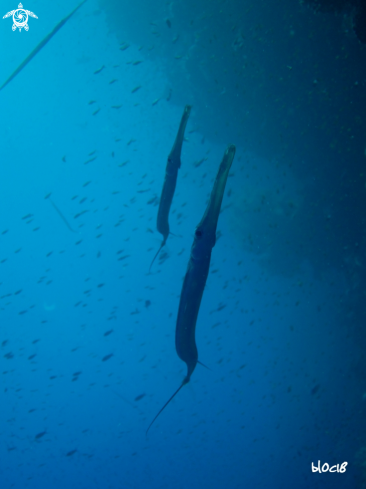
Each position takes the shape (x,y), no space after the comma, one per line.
(40,46)
(170,181)
(196,275)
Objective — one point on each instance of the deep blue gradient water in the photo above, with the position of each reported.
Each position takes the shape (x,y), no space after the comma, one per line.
(87,348)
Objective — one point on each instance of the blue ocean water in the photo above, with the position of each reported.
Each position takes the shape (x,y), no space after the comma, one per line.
(87,347)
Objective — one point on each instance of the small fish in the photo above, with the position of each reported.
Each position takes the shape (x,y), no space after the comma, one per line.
(107,357)
(124,46)
(134,90)
(40,435)
(96,112)
(98,71)
(141,396)
(79,214)
(155,101)
(198,163)
(123,257)
(152,200)
(72,452)
(90,160)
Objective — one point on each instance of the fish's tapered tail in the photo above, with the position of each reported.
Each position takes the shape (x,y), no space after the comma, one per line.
(157,253)
(185,381)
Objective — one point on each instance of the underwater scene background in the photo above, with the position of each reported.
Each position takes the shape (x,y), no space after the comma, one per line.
(87,334)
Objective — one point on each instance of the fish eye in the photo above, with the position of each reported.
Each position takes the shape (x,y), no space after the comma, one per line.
(198,233)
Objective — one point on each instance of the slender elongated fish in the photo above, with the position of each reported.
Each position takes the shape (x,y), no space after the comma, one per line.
(170,181)
(48,197)
(41,45)
(196,275)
